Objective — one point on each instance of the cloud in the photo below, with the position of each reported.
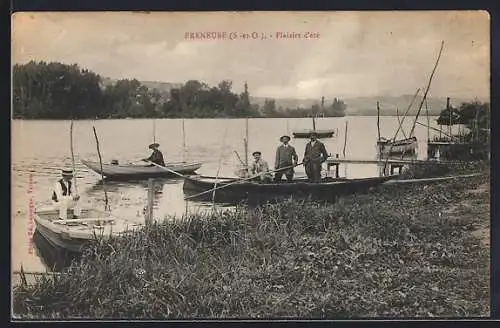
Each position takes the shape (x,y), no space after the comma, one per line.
(358,53)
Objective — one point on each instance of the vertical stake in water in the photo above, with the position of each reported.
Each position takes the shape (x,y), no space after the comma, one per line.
(154,130)
(246,144)
(183,143)
(149,213)
(378,121)
(76,209)
(448,107)
(106,206)
(428,121)
(345,144)
(72,155)
(223,146)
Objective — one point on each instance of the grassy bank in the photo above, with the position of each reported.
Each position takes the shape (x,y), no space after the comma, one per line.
(409,251)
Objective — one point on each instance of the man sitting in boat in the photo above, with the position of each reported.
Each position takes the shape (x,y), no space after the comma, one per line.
(286,158)
(63,196)
(156,157)
(314,156)
(260,168)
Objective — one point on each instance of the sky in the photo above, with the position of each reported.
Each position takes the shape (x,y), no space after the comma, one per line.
(355,54)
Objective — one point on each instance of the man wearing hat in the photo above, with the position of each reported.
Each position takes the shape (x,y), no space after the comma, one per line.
(286,158)
(63,195)
(260,168)
(314,156)
(156,157)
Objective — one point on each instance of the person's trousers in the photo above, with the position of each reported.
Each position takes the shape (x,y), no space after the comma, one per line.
(279,174)
(313,171)
(65,205)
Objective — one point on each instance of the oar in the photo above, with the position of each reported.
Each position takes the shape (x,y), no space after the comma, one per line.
(242,180)
(166,169)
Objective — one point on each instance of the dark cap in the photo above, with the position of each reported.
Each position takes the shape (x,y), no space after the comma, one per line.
(154,145)
(256,152)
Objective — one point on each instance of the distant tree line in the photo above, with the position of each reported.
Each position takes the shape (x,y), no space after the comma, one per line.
(58,91)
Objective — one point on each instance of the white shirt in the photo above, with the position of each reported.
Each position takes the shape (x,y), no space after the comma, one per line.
(313,142)
(59,191)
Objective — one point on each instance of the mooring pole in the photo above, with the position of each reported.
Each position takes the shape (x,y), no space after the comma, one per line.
(149,210)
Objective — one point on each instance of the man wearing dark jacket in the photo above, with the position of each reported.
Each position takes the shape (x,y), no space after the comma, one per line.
(156,157)
(286,157)
(314,156)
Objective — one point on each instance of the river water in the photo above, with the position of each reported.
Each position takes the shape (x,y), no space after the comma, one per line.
(41,148)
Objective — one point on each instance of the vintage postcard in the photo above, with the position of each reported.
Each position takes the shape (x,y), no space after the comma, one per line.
(244,165)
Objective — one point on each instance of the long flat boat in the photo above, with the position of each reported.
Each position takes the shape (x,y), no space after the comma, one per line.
(73,234)
(135,171)
(240,191)
(306,134)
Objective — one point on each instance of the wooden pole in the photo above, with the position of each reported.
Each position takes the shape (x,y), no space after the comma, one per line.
(106,206)
(399,121)
(378,121)
(343,151)
(428,121)
(183,142)
(427,89)
(345,138)
(314,122)
(149,212)
(73,155)
(246,143)
(154,130)
(448,107)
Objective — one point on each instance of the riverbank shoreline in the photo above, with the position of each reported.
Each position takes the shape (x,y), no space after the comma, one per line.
(397,251)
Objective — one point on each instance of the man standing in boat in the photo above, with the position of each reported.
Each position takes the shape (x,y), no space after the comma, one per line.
(314,156)
(63,196)
(260,168)
(156,157)
(286,158)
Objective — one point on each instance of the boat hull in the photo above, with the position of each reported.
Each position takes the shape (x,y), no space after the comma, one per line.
(74,236)
(328,190)
(407,146)
(307,134)
(131,172)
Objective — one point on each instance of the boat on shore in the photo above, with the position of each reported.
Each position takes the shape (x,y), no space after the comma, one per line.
(136,171)
(73,234)
(403,146)
(232,191)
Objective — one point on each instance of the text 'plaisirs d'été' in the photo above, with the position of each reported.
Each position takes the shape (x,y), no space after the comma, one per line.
(199,36)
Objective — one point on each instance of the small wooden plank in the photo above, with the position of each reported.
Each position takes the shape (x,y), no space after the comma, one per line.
(83,220)
(335,161)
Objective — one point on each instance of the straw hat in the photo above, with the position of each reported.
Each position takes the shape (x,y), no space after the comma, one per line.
(154,145)
(282,137)
(67,172)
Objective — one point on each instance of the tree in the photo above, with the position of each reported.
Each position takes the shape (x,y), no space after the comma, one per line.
(269,109)
(337,109)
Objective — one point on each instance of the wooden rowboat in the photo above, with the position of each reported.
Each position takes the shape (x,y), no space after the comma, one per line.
(135,171)
(73,234)
(407,146)
(328,189)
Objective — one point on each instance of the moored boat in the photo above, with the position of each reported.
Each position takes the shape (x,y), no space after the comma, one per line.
(73,234)
(135,171)
(407,146)
(306,134)
(237,191)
